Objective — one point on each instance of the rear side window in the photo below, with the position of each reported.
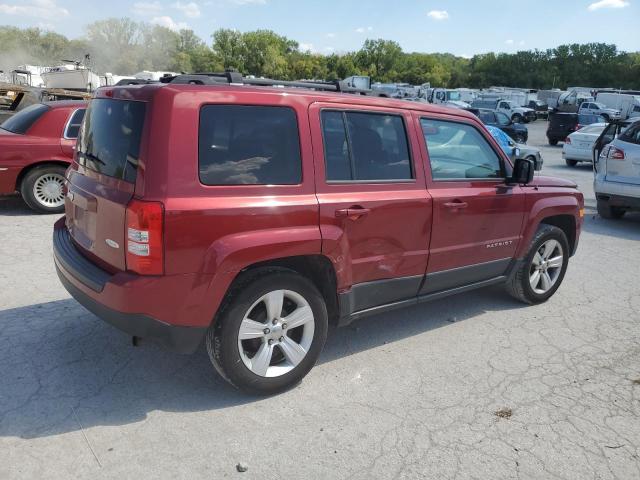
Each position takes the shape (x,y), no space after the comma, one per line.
(23,120)
(631,134)
(459,151)
(73,126)
(487,117)
(365,146)
(109,139)
(249,145)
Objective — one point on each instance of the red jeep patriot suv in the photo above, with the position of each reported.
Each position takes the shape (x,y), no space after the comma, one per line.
(218,207)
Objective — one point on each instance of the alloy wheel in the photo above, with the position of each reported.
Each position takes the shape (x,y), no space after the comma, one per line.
(546,266)
(276,333)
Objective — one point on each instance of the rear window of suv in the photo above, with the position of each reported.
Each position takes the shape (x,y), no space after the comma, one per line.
(109,139)
(23,120)
(249,145)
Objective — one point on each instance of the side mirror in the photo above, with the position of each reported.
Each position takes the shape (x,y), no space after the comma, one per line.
(522,171)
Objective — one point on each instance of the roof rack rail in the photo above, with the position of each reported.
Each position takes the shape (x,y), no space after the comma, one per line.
(233,77)
(134,81)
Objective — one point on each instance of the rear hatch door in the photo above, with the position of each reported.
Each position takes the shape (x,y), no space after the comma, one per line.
(101,181)
(626,169)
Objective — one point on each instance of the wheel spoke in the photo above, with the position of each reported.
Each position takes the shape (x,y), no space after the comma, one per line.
(545,279)
(537,259)
(251,329)
(299,317)
(534,279)
(292,351)
(273,301)
(549,248)
(262,359)
(555,262)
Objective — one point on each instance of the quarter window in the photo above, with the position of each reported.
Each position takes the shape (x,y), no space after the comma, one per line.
(365,146)
(459,151)
(73,127)
(249,145)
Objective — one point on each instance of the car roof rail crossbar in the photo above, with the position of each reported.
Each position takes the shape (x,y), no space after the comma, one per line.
(233,77)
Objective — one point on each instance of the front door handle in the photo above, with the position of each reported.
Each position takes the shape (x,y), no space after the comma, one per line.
(353,212)
(456,205)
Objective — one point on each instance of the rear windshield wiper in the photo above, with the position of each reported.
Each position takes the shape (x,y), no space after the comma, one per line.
(92,157)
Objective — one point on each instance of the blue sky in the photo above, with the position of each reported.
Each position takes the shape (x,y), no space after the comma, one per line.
(455,26)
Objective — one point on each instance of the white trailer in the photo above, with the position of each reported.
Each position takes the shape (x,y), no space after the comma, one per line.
(627,104)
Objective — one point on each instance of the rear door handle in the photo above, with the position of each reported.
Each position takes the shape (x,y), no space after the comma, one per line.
(353,212)
(456,205)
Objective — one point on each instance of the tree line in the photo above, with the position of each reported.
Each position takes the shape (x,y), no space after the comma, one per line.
(123,46)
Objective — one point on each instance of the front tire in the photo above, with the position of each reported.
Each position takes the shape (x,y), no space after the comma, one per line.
(553,142)
(607,211)
(517,118)
(571,163)
(541,272)
(270,331)
(42,189)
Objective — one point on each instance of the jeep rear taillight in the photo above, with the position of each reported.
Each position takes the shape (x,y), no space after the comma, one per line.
(145,249)
(615,154)
(567,140)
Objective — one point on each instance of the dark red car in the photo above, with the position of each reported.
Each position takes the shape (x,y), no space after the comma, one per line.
(253,217)
(36,147)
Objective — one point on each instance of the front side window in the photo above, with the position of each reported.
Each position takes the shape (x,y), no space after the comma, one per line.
(249,145)
(73,127)
(365,146)
(458,151)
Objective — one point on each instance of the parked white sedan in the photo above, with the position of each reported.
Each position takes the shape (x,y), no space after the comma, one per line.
(578,146)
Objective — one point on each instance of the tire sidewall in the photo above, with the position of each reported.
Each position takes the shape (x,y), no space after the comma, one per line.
(224,345)
(547,233)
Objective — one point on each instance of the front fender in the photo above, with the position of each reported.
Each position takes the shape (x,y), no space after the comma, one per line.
(545,207)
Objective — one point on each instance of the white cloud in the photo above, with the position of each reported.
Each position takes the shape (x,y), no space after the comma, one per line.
(608,4)
(190,10)
(509,42)
(166,21)
(438,14)
(363,29)
(249,2)
(47,9)
(521,43)
(146,9)
(306,47)
(331,35)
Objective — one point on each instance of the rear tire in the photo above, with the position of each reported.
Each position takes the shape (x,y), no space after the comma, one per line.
(519,138)
(607,211)
(553,141)
(517,118)
(548,256)
(42,189)
(571,163)
(260,354)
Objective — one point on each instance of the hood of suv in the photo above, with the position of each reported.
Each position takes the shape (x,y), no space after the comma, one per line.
(545,181)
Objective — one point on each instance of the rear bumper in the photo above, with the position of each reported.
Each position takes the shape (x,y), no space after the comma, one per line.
(102,293)
(620,201)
